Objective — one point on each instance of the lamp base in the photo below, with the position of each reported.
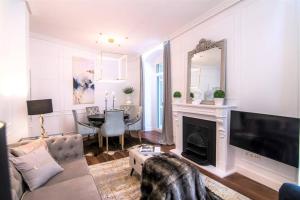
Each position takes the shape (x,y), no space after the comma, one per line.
(43,132)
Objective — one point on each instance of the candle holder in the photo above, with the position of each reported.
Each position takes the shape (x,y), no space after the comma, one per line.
(106,97)
(114,99)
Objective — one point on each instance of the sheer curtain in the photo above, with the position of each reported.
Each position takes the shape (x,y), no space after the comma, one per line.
(167,129)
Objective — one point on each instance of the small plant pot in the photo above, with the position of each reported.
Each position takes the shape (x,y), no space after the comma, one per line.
(219,101)
(177,100)
(128,100)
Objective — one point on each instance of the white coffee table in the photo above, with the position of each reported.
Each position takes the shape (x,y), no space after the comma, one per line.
(137,159)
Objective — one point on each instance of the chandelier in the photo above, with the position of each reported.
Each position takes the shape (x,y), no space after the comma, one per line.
(121,58)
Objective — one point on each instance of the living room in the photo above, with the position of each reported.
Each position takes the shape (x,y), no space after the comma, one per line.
(212,86)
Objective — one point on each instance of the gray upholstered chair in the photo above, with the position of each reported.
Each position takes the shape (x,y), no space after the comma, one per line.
(113,126)
(83,128)
(93,110)
(128,109)
(135,121)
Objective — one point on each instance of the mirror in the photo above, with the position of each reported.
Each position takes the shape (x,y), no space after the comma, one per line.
(206,71)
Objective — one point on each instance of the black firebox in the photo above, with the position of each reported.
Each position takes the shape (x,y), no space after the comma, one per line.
(199,141)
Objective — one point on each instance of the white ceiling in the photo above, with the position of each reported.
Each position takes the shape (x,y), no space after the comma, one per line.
(146,22)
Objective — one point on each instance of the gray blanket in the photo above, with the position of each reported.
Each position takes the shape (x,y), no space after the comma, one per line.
(166,177)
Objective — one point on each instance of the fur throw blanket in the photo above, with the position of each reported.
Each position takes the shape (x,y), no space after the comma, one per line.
(166,177)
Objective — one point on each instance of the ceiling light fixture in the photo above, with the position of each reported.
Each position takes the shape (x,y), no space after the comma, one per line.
(122,60)
(111,39)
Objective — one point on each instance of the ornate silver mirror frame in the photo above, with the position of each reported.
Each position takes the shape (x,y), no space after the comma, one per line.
(204,45)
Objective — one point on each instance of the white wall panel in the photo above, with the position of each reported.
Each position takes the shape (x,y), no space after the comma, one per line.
(262,69)
(14,36)
(51,77)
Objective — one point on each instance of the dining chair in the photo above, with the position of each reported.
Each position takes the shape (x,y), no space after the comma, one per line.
(92,110)
(113,126)
(135,121)
(83,128)
(131,110)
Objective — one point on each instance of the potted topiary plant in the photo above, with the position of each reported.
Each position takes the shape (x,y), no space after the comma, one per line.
(177,96)
(219,96)
(192,95)
(128,92)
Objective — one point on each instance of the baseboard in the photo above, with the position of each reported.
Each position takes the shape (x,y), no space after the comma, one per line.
(269,181)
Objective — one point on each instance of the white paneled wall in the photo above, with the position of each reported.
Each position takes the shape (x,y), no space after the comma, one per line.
(262,69)
(14,34)
(51,77)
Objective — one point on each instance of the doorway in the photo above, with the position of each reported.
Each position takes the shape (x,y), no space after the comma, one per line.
(159,94)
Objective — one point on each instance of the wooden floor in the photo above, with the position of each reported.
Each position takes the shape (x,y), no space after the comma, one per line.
(236,181)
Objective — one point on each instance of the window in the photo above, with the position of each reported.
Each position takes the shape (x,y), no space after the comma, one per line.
(159,94)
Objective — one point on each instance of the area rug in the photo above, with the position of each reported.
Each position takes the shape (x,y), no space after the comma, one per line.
(114,182)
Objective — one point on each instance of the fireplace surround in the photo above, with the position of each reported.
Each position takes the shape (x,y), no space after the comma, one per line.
(220,116)
(199,140)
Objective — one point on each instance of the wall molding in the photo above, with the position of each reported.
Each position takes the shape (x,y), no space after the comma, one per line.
(39,36)
(204,17)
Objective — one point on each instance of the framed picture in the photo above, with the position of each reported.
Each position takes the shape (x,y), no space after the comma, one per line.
(83,81)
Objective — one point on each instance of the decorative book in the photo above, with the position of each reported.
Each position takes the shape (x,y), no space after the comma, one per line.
(146,149)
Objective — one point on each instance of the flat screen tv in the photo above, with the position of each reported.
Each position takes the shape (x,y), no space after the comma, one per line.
(5,192)
(271,136)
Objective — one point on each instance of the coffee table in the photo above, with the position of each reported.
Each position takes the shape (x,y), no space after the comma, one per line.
(137,159)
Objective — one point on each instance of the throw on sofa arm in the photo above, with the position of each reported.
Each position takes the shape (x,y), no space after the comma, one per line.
(64,148)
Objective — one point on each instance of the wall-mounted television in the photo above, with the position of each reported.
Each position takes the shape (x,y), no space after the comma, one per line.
(275,137)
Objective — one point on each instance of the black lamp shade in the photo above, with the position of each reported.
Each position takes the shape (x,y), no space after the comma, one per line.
(38,107)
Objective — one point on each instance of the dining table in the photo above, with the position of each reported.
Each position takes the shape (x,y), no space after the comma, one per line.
(101,117)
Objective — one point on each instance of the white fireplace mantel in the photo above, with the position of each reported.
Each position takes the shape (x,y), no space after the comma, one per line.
(219,114)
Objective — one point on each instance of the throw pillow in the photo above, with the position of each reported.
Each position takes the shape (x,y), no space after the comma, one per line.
(27,148)
(36,167)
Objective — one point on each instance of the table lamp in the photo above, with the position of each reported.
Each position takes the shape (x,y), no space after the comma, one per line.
(40,107)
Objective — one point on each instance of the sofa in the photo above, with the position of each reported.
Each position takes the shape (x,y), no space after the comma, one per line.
(289,191)
(74,183)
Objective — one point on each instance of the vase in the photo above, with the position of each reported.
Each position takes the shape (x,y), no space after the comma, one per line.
(219,101)
(128,99)
(177,100)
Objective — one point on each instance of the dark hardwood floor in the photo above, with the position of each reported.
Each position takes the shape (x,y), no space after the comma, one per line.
(236,181)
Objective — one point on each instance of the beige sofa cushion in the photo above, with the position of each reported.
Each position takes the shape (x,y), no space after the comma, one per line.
(36,167)
(72,169)
(81,188)
(27,148)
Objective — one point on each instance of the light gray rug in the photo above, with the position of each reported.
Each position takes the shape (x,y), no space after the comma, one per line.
(114,182)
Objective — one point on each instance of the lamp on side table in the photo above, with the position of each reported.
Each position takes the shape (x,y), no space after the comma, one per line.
(40,107)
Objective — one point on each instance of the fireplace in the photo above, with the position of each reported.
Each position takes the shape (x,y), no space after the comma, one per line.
(199,140)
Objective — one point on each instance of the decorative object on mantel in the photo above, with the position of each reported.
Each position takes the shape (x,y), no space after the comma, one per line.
(192,95)
(177,96)
(219,96)
(128,92)
(206,71)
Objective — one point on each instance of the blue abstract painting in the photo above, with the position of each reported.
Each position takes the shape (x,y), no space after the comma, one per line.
(83,81)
